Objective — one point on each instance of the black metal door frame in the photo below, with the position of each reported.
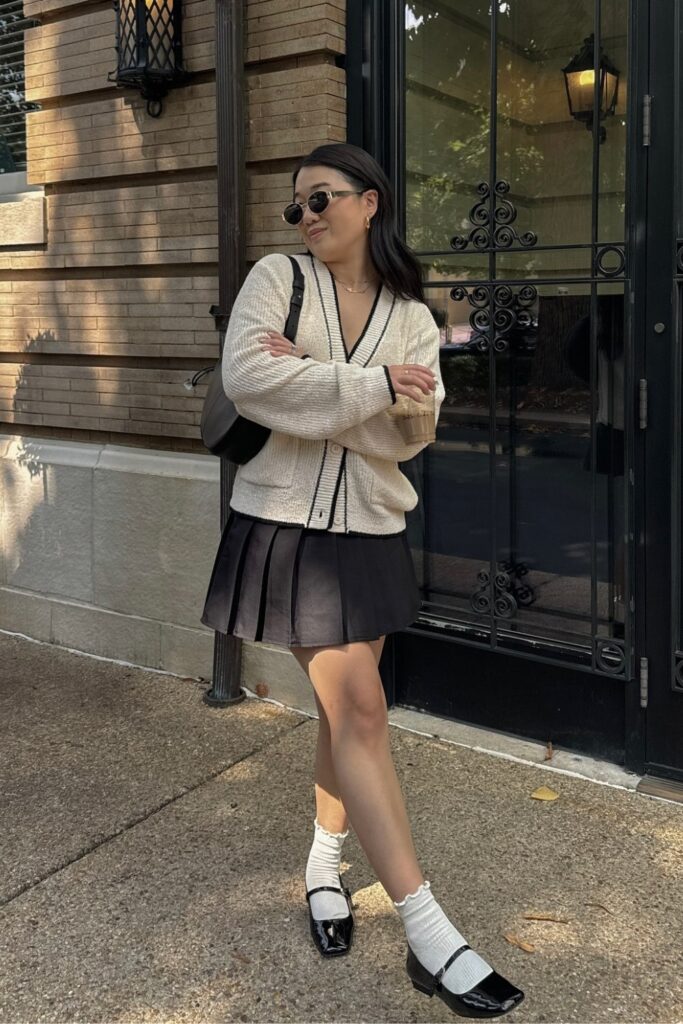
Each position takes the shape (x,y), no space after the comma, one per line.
(662,326)
(626,720)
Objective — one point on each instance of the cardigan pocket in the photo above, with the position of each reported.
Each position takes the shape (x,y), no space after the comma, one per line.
(390,487)
(275,464)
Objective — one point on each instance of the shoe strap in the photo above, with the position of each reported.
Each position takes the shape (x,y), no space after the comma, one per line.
(323,888)
(440,973)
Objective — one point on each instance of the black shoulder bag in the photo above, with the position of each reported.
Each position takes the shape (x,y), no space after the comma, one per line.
(224,432)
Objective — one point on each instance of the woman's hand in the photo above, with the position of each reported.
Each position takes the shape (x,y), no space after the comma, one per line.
(278,345)
(412,379)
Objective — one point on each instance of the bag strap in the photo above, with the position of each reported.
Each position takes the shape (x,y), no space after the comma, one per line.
(296,301)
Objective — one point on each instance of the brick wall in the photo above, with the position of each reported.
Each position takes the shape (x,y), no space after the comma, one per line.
(101,325)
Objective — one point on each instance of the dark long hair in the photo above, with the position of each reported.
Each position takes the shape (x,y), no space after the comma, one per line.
(396,264)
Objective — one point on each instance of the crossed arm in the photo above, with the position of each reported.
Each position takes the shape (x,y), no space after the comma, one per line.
(379,434)
(306,398)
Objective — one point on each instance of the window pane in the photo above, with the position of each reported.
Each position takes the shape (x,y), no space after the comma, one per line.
(447,116)
(13,105)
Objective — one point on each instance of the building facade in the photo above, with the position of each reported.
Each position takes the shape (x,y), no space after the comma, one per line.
(535,153)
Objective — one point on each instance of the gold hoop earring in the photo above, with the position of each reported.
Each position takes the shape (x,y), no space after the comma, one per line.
(367,223)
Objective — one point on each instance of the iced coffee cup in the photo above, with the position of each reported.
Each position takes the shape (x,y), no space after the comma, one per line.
(416,420)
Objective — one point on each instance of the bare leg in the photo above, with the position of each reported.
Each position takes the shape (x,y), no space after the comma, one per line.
(330,811)
(348,687)
(347,684)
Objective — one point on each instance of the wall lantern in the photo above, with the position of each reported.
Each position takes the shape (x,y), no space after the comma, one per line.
(579,78)
(149,48)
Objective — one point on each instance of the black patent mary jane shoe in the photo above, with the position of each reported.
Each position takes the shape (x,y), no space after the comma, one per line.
(333,937)
(490,998)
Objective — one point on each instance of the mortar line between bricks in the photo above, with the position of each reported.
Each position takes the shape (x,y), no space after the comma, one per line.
(131,823)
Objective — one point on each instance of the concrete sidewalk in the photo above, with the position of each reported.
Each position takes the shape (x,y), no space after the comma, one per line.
(153,852)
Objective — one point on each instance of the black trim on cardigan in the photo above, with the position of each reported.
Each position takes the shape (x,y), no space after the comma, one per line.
(312,530)
(335,496)
(349,355)
(346,496)
(384,331)
(390,383)
(317,484)
(322,306)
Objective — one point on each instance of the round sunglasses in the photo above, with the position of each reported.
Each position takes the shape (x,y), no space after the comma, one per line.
(316,202)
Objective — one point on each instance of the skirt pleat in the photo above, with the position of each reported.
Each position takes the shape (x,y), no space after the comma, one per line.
(318,610)
(295,587)
(225,580)
(254,575)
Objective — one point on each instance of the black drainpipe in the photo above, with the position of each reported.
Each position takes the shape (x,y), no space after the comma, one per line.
(231,171)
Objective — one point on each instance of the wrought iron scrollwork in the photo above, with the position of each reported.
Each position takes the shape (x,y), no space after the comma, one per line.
(610,655)
(602,253)
(508,591)
(497,310)
(679,255)
(677,683)
(503,235)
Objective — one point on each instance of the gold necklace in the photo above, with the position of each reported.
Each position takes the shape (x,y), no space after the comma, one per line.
(354,291)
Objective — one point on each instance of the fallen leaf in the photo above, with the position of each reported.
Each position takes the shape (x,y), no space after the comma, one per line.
(545,917)
(262,690)
(515,940)
(606,909)
(543,793)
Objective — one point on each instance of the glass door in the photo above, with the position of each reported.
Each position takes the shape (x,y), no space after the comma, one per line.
(511,131)
(514,190)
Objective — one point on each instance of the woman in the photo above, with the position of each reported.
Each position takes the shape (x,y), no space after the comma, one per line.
(314,556)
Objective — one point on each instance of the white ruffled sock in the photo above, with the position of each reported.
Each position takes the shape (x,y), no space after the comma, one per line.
(433,938)
(322,868)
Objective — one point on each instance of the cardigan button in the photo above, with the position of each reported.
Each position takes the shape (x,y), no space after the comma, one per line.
(334,447)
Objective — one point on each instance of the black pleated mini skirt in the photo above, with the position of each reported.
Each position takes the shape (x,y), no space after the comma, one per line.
(297,587)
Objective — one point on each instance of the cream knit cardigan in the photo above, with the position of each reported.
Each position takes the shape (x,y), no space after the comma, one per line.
(331,460)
